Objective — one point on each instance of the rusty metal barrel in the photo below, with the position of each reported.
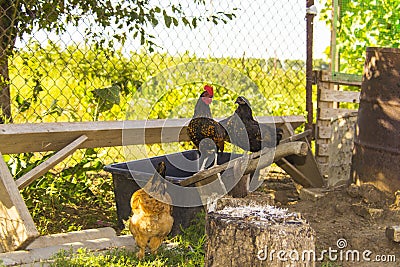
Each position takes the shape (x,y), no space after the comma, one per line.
(376,154)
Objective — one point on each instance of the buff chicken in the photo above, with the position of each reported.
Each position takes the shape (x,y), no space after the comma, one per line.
(151,219)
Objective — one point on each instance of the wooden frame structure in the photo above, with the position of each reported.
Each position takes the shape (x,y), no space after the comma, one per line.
(328,99)
(17,228)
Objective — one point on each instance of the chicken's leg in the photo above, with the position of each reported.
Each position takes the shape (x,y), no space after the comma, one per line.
(207,150)
(141,241)
(154,244)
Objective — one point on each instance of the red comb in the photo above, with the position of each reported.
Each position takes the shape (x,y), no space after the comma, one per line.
(209,89)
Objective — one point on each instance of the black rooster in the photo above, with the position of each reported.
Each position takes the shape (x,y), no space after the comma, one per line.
(244,131)
(203,128)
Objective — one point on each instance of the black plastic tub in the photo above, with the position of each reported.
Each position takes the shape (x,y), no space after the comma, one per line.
(133,175)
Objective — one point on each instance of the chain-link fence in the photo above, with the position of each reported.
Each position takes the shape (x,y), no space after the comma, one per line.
(59,75)
(67,61)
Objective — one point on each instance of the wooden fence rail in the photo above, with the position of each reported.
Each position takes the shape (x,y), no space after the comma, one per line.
(39,137)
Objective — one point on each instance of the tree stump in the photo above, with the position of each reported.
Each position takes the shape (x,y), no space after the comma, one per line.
(256,234)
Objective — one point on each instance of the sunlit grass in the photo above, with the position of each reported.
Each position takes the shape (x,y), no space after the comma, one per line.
(184,250)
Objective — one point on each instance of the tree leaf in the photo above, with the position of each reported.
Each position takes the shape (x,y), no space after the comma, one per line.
(185,22)
(167,19)
(175,21)
(106,98)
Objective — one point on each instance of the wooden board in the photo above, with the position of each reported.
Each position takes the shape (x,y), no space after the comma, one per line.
(44,167)
(340,79)
(324,132)
(253,161)
(333,113)
(17,228)
(340,96)
(19,138)
(303,169)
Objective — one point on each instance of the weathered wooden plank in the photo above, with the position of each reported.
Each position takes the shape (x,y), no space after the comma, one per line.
(323,149)
(297,137)
(17,228)
(321,124)
(324,132)
(333,113)
(339,79)
(294,172)
(45,256)
(340,96)
(252,161)
(348,83)
(38,137)
(70,237)
(38,171)
(18,138)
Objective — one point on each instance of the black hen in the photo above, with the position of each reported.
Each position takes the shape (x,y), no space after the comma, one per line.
(245,132)
(203,127)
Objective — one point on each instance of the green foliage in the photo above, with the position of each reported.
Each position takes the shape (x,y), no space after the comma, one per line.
(54,199)
(92,83)
(320,64)
(106,98)
(186,249)
(362,24)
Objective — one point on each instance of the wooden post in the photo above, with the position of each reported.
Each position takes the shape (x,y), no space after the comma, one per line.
(323,129)
(328,99)
(17,228)
(252,233)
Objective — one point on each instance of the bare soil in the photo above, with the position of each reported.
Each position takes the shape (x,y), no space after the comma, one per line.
(357,214)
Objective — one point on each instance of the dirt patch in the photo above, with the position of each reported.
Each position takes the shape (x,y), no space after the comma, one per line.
(358,215)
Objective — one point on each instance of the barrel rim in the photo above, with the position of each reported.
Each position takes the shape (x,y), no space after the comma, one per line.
(383,49)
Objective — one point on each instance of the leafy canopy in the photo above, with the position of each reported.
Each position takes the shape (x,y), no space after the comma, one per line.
(363,24)
(100,19)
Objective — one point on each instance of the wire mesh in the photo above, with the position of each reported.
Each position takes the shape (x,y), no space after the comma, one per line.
(57,76)
(80,66)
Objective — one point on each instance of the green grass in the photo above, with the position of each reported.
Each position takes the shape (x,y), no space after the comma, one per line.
(188,250)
